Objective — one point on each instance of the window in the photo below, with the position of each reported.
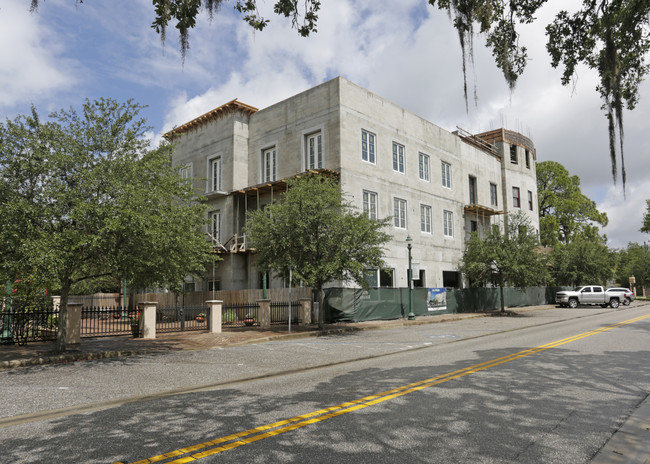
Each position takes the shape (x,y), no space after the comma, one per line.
(269,165)
(398,157)
(493,194)
(314,151)
(399,215)
(527,159)
(425,218)
(446,174)
(188,287)
(385,277)
(214,285)
(185,171)
(473,195)
(214,175)
(515,197)
(448,223)
(371,277)
(424,166)
(214,226)
(513,154)
(370,204)
(368,146)
(530,200)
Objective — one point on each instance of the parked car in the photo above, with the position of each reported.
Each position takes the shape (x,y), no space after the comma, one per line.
(589,295)
(628,294)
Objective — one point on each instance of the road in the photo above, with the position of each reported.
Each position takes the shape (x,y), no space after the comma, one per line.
(548,387)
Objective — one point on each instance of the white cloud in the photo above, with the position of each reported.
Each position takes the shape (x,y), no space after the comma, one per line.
(30,57)
(626,214)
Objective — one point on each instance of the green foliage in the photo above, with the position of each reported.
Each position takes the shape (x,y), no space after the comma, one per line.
(646,218)
(564,212)
(584,260)
(229,316)
(318,233)
(505,258)
(84,197)
(609,37)
(634,261)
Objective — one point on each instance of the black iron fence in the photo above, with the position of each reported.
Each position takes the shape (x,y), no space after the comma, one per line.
(280,312)
(240,315)
(181,318)
(106,321)
(21,323)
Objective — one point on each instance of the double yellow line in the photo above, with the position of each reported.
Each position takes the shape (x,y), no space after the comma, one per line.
(259,433)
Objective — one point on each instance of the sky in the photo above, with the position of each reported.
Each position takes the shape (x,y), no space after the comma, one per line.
(405,51)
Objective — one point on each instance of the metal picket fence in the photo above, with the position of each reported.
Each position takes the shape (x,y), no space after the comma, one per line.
(181,318)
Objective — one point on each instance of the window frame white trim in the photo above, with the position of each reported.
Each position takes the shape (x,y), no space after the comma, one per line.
(494,199)
(368,212)
(427,170)
(447,224)
(403,157)
(211,228)
(374,135)
(186,166)
(429,208)
(210,188)
(305,134)
(445,176)
(263,151)
(518,197)
(403,222)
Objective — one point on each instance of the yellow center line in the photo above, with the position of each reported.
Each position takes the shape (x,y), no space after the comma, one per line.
(259,433)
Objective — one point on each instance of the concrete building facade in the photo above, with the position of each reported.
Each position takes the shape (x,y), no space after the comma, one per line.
(437,186)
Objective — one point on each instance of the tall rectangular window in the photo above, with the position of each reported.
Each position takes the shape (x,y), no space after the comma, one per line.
(368,146)
(370,204)
(399,213)
(425,218)
(513,154)
(398,157)
(214,226)
(314,151)
(446,174)
(423,166)
(185,171)
(527,159)
(473,194)
(215,174)
(516,199)
(448,223)
(530,200)
(493,195)
(269,165)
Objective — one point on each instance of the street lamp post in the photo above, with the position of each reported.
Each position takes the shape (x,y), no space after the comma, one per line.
(409,245)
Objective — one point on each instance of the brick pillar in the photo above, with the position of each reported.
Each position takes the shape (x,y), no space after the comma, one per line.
(73,323)
(214,315)
(56,303)
(304,315)
(264,314)
(148,319)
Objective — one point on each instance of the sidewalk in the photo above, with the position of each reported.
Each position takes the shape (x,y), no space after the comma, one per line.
(31,354)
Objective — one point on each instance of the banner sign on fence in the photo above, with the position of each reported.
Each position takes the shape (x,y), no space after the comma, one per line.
(437,299)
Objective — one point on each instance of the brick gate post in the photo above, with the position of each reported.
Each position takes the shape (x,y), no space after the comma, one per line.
(73,323)
(304,317)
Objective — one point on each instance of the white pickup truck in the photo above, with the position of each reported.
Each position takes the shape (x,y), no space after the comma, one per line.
(589,295)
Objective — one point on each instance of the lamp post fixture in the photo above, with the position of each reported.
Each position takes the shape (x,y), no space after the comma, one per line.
(409,245)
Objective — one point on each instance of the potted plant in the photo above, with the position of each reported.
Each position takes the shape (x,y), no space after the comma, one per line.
(249,319)
(200,318)
(135,326)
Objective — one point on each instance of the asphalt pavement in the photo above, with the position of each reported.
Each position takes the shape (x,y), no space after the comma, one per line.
(629,444)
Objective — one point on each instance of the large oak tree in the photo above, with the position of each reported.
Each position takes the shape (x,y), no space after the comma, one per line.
(84,196)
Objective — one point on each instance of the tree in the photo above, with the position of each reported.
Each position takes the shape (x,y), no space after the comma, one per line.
(505,258)
(83,196)
(608,36)
(646,218)
(584,260)
(564,212)
(316,231)
(634,261)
